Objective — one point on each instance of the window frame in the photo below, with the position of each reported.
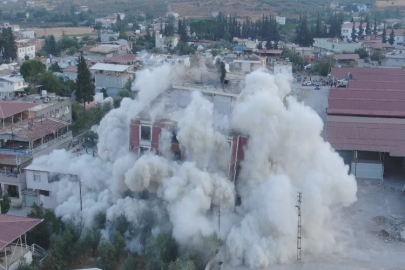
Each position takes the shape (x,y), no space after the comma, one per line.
(150,132)
(37,176)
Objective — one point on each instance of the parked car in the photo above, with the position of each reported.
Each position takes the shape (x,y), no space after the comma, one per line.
(317,88)
(307,83)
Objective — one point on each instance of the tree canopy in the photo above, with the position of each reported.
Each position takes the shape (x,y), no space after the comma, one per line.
(32,70)
(8,45)
(85,89)
(5,203)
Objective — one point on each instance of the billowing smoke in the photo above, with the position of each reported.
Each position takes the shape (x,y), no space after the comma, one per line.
(285,154)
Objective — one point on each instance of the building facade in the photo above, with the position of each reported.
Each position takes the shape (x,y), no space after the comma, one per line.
(11,85)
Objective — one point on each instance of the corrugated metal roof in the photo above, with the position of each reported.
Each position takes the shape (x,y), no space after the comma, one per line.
(9,108)
(366,134)
(109,67)
(12,227)
(12,78)
(367,102)
(378,74)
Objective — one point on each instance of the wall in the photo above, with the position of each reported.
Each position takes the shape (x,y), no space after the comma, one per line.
(110,80)
(43,184)
(28,50)
(51,110)
(395,61)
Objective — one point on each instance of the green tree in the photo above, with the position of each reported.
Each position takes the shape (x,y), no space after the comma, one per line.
(5,202)
(32,70)
(8,45)
(85,90)
(183,48)
(107,253)
(323,67)
(180,264)
(41,234)
(98,26)
(354,34)
(131,263)
(92,240)
(384,35)
(83,121)
(160,251)
(391,40)
(375,26)
(361,52)
(51,46)
(55,67)
(156,50)
(51,83)
(119,245)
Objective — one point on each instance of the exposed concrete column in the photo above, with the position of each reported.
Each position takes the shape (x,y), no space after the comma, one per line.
(12,120)
(42,140)
(21,118)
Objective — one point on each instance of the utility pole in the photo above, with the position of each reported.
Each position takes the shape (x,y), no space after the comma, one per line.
(299,226)
(219,218)
(81,204)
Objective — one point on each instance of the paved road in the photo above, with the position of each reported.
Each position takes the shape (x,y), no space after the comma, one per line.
(316,99)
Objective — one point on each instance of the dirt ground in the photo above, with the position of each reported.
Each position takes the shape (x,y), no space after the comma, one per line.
(391,3)
(375,221)
(59,31)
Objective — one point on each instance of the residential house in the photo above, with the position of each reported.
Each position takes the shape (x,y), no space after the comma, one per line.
(306,53)
(101,52)
(347,29)
(270,56)
(11,85)
(280,20)
(150,60)
(112,77)
(247,66)
(108,35)
(68,61)
(395,59)
(399,35)
(334,4)
(282,67)
(328,45)
(70,73)
(40,180)
(13,241)
(164,43)
(347,59)
(25,48)
(362,7)
(124,59)
(108,21)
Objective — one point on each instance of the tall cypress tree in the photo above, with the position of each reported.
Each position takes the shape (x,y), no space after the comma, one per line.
(368,27)
(384,35)
(391,40)
(361,30)
(8,45)
(354,35)
(85,89)
(375,26)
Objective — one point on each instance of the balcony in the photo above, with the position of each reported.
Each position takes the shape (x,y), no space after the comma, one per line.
(12,178)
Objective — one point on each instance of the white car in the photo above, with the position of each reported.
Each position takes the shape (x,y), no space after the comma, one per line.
(307,83)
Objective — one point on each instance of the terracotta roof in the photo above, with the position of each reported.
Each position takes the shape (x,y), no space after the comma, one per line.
(203,41)
(11,160)
(39,128)
(9,108)
(86,48)
(397,32)
(377,85)
(351,56)
(367,102)
(71,69)
(367,134)
(12,227)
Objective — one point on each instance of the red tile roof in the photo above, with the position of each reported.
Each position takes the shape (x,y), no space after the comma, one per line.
(377,85)
(40,128)
(71,69)
(346,56)
(12,227)
(10,160)
(86,48)
(9,108)
(367,134)
(367,102)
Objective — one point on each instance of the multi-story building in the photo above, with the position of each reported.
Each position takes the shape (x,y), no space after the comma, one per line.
(25,48)
(145,133)
(110,20)
(164,43)
(280,20)
(112,77)
(11,85)
(347,29)
(399,36)
(328,45)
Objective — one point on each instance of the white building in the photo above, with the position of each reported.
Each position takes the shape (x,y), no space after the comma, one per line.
(10,85)
(111,77)
(395,59)
(347,30)
(40,179)
(362,7)
(399,36)
(28,34)
(25,48)
(280,20)
(285,67)
(247,66)
(329,45)
(164,43)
